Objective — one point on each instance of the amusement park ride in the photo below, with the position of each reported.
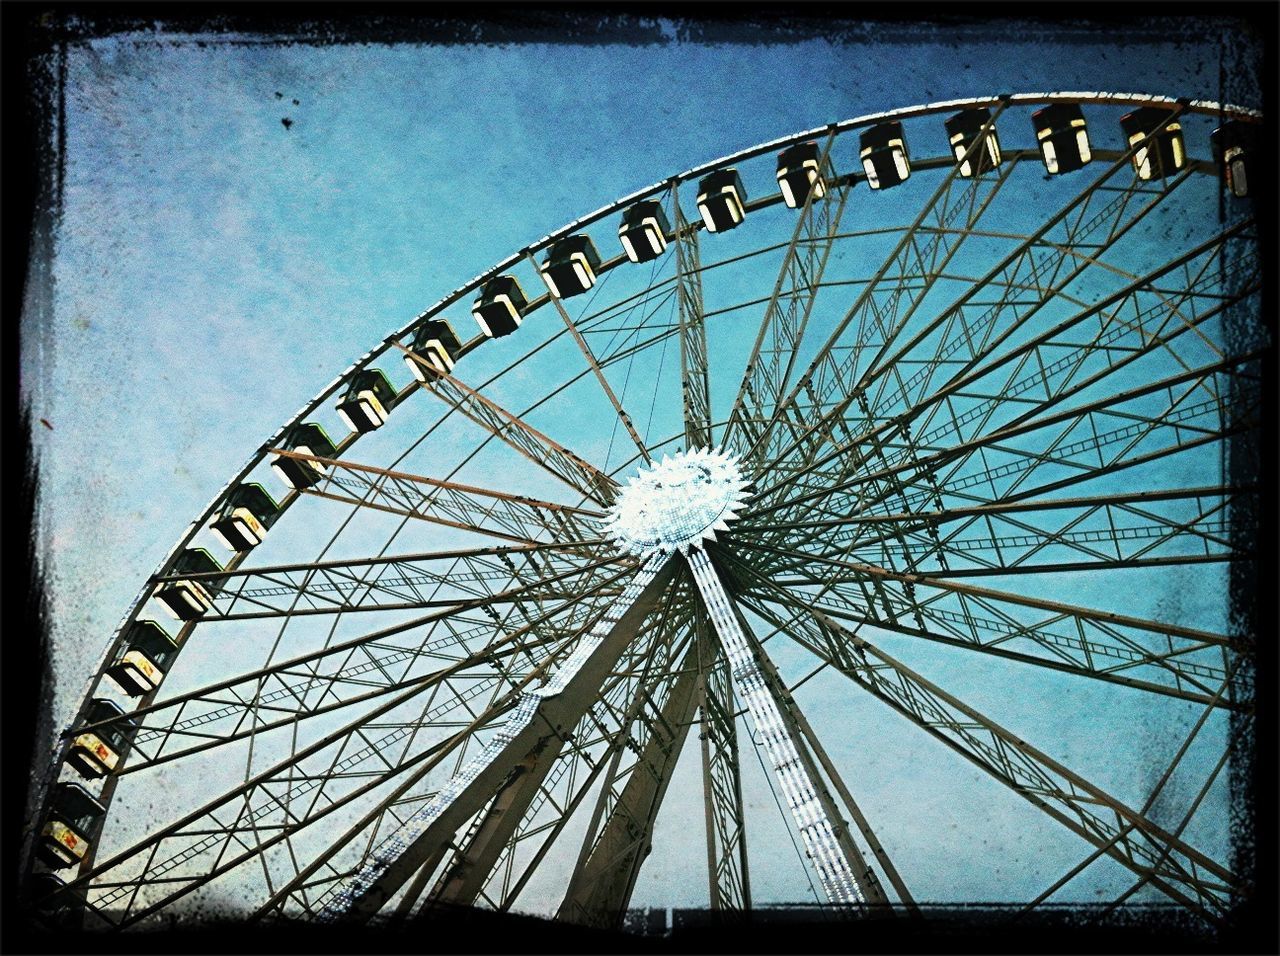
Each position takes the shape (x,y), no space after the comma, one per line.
(972,375)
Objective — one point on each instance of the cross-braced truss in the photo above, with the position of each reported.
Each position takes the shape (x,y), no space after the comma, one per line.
(983,419)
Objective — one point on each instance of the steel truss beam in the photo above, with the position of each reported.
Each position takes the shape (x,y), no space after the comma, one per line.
(1142,319)
(811,742)
(395,582)
(1138,320)
(787,312)
(695,389)
(123,898)
(478,849)
(518,813)
(162,865)
(1100,536)
(1146,655)
(1037,261)
(1151,798)
(537,720)
(728,874)
(624,721)
(363,668)
(602,883)
(1179,870)
(584,478)
(470,508)
(1095,426)
(902,282)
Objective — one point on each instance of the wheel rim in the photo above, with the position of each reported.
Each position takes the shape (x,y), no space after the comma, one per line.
(798,531)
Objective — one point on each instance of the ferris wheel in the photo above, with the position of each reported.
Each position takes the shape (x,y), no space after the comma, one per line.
(949,387)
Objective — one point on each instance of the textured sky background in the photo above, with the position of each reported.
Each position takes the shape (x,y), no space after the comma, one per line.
(214,269)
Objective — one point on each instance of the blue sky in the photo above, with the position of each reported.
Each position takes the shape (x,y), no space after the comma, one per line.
(215,268)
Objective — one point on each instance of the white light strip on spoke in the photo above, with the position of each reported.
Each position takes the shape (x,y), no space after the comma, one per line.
(340,898)
(816,831)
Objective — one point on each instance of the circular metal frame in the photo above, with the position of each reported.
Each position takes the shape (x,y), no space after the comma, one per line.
(393,344)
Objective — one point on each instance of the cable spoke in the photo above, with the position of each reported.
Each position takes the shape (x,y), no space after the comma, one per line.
(471,508)
(595,367)
(394,582)
(901,283)
(727,869)
(1149,655)
(519,434)
(695,388)
(787,312)
(353,671)
(1179,870)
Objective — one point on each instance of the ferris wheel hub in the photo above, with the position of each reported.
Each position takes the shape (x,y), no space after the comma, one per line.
(678,503)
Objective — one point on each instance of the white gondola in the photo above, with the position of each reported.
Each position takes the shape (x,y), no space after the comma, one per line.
(798,174)
(245,517)
(190,598)
(71,826)
(643,231)
(1063,138)
(435,343)
(975,151)
(883,151)
(500,307)
(96,753)
(141,665)
(367,402)
(307,438)
(570,266)
(722,200)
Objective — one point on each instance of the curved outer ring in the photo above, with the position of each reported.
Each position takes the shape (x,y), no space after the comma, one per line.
(1202,107)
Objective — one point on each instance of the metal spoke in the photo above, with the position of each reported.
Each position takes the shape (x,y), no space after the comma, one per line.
(728,873)
(468,507)
(394,582)
(1148,655)
(1146,806)
(334,759)
(1134,322)
(1097,427)
(349,672)
(694,386)
(1100,532)
(595,367)
(1037,260)
(625,720)
(901,283)
(1179,870)
(786,315)
(519,434)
